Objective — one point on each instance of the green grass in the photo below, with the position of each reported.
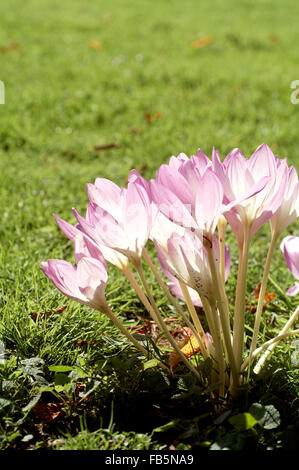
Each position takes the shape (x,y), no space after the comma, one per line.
(62,99)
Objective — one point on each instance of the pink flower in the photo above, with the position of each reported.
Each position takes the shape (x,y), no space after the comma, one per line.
(194,193)
(92,248)
(85,283)
(289,208)
(290,249)
(174,284)
(185,258)
(257,184)
(120,219)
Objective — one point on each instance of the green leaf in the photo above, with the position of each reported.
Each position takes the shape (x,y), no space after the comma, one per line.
(4,402)
(231,441)
(151,363)
(61,382)
(271,418)
(267,416)
(32,403)
(257,410)
(243,421)
(166,427)
(61,368)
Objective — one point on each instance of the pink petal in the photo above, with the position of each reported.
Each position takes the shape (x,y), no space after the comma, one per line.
(292,291)
(209,202)
(171,206)
(290,249)
(106,195)
(176,183)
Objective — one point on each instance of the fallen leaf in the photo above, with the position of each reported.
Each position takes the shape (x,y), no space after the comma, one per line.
(47,412)
(188,348)
(10,47)
(199,43)
(43,315)
(68,153)
(256,293)
(134,129)
(274,38)
(111,145)
(95,44)
(149,117)
(268,297)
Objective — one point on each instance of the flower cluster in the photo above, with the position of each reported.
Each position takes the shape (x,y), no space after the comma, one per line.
(184,211)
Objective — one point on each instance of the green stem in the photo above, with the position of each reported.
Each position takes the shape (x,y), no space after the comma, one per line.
(124,330)
(262,293)
(162,325)
(128,273)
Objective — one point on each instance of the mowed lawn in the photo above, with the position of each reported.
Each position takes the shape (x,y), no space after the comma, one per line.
(93,89)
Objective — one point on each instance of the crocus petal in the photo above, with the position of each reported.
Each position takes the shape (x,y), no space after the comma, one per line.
(176,183)
(92,278)
(171,206)
(137,217)
(292,291)
(209,202)
(63,275)
(289,208)
(106,195)
(262,162)
(290,249)
(93,215)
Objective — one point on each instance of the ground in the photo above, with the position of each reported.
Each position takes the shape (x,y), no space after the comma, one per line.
(92,90)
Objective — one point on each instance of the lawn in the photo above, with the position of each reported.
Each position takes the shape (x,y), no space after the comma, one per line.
(94,89)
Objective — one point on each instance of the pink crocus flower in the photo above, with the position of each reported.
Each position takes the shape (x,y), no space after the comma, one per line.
(185,258)
(257,183)
(175,287)
(174,284)
(119,218)
(84,283)
(290,249)
(192,194)
(176,192)
(93,249)
(289,208)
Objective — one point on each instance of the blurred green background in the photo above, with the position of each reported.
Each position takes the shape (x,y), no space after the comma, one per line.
(148,79)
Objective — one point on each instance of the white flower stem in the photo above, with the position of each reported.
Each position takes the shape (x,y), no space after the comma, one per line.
(162,325)
(124,330)
(214,325)
(264,346)
(268,351)
(200,331)
(262,293)
(223,308)
(239,314)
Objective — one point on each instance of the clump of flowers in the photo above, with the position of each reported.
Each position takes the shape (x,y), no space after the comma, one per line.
(184,211)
